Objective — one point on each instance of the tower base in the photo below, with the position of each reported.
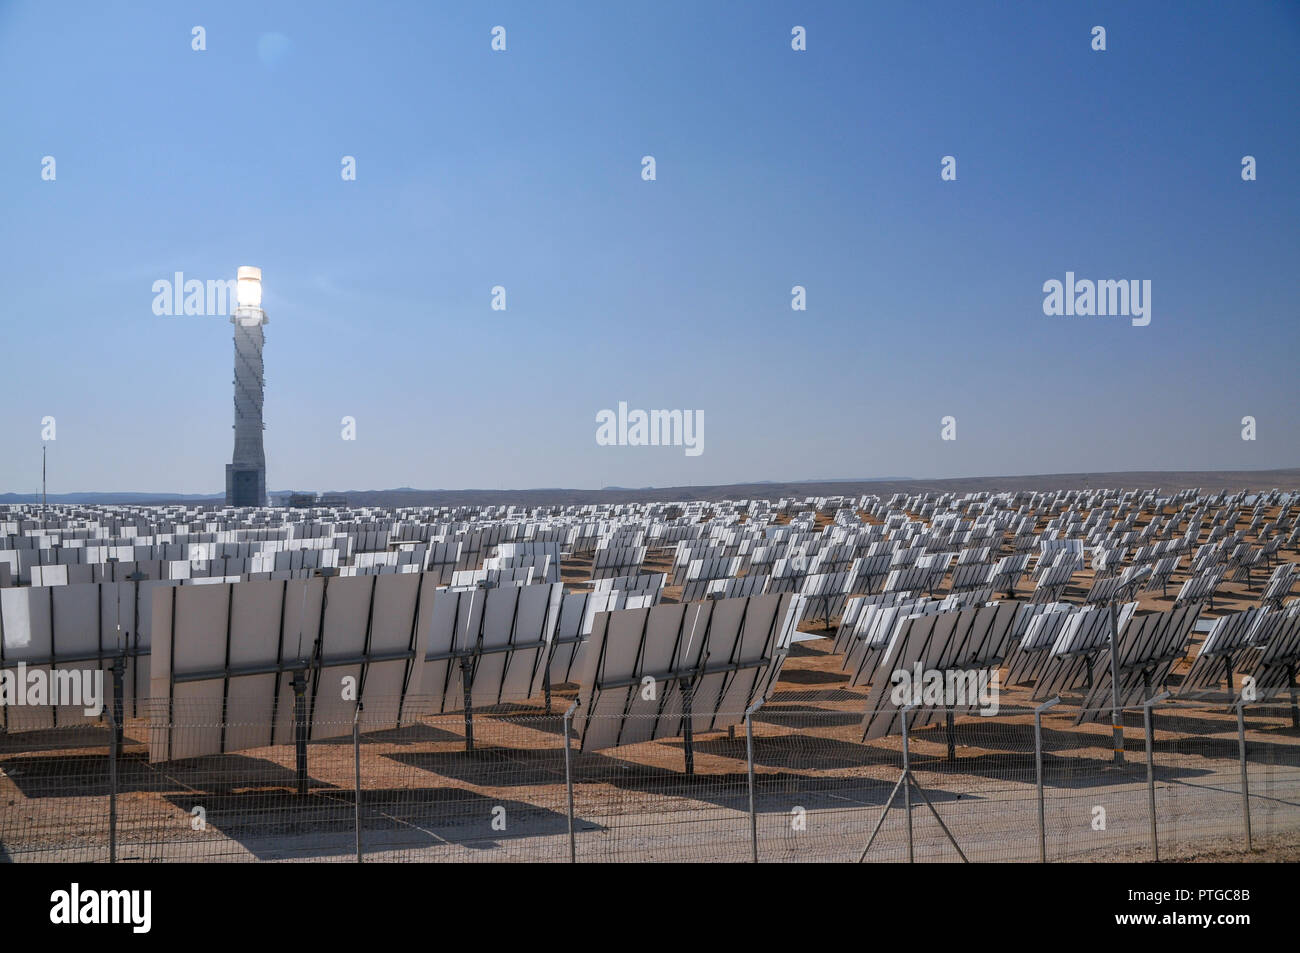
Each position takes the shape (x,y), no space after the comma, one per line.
(245,486)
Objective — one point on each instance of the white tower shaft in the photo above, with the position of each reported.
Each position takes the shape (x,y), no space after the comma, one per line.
(246,473)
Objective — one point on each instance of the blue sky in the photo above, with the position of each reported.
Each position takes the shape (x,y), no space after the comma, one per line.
(774,168)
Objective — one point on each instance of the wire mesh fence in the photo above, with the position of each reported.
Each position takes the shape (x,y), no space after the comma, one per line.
(793,781)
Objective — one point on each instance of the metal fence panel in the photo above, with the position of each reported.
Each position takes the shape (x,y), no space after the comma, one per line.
(501,786)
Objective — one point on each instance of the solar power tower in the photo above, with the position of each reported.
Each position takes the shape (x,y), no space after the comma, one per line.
(246,472)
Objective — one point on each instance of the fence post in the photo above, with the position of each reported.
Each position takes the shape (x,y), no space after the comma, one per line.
(568,782)
(1245,778)
(907,787)
(749,758)
(1151,770)
(1116,713)
(356,765)
(1038,766)
(112,787)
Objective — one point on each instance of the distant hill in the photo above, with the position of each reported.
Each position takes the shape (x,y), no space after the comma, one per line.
(1209,480)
